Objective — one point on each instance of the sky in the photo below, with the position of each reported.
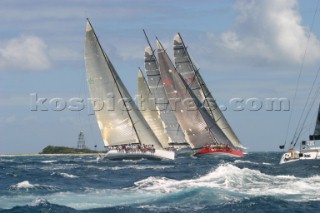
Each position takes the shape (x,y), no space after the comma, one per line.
(248,51)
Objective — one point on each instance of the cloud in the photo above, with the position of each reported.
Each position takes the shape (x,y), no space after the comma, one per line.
(24,53)
(64,54)
(268,32)
(11,119)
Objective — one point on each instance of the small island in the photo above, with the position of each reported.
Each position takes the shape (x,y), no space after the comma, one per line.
(66,150)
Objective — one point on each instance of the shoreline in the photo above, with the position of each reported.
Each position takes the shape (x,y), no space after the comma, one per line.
(40,155)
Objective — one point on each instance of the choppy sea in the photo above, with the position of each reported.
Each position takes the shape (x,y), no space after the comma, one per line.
(255,183)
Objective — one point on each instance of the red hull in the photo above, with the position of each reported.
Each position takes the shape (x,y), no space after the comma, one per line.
(211,151)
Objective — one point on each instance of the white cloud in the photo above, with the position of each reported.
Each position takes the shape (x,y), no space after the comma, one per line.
(269,31)
(24,53)
(9,120)
(64,54)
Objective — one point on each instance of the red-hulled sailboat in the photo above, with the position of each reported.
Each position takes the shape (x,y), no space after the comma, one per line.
(219,150)
(205,127)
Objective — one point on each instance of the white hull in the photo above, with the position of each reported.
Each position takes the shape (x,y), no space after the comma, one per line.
(309,154)
(157,155)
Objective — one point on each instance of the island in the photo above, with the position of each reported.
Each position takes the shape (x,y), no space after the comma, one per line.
(66,150)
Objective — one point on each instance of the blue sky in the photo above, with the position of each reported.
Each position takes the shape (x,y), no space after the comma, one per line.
(245,49)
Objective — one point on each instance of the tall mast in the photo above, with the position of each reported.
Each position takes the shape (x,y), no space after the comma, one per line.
(115,80)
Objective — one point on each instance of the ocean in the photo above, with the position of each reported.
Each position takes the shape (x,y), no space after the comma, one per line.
(254,183)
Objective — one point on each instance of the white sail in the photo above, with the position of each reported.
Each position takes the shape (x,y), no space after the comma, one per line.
(119,120)
(149,111)
(191,75)
(171,125)
(197,124)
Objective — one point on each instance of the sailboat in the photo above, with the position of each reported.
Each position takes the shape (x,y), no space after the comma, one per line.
(150,113)
(176,137)
(193,78)
(307,150)
(199,128)
(123,128)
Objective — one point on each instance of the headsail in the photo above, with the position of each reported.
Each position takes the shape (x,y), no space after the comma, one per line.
(198,126)
(149,111)
(119,120)
(170,122)
(191,75)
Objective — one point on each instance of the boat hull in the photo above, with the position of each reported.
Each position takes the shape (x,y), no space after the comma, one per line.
(157,155)
(228,152)
(305,155)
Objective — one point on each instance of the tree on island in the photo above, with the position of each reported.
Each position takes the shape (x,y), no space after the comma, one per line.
(65,150)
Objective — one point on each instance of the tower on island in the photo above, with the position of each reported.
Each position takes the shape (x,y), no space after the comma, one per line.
(81,141)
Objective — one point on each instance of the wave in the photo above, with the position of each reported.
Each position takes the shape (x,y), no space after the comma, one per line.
(63,174)
(239,182)
(59,167)
(26,185)
(141,167)
(49,161)
(250,162)
(225,185)
(6,160)
(138,167)
(39,202)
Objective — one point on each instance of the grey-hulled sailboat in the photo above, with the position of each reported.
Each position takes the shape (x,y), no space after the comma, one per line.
(121,124)
(149,111)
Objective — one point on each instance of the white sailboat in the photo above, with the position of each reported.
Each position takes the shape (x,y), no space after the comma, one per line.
(308,149)
(123,128)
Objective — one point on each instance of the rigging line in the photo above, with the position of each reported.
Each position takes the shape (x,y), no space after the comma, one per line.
(300,126)
(116,79)
(316,95)
(197,76)
(305,117)
(299,76)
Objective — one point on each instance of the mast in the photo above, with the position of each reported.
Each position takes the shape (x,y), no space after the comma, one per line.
(198,126)
(115,80)
(103,82)
(149,111)
(169,121)
(191,74)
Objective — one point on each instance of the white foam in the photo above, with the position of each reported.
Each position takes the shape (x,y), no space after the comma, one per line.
(140,167)
(39,202)
(22,185)
(63,174)
(49,161)
(59,167)
(26,185)
(250,162)
(245,182)
(66,175)
(226,183)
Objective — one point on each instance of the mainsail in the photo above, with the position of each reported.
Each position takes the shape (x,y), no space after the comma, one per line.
(198,126)
(191,75)
(118,118)
(150,113)
(171,125)
(316,134)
